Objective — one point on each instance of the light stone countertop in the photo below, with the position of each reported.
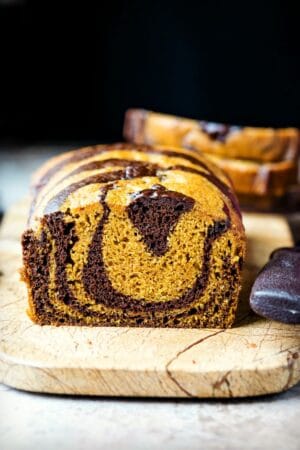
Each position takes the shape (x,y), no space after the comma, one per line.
(45,422)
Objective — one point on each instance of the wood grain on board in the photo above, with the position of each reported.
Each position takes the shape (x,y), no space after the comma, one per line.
(254,357)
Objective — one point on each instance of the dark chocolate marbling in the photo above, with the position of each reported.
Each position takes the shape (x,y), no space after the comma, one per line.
(155,212)
(218,131)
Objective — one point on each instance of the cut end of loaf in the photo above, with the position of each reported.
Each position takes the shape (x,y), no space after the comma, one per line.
(160,244)
(133,129)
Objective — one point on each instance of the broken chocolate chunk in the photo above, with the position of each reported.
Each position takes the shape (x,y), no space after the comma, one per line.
(276,290)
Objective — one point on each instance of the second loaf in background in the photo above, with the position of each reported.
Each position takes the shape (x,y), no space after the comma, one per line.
(261,162)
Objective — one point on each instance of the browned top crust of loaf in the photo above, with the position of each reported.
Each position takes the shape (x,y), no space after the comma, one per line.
(228,141)
(67,173)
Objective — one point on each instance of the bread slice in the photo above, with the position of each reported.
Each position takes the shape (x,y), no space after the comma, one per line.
(255,179)
(249,156)
(250,143)
(128,235)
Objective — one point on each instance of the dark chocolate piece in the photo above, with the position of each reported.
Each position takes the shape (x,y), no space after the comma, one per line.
(276,290)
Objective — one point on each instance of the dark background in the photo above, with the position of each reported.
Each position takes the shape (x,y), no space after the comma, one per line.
(70,69)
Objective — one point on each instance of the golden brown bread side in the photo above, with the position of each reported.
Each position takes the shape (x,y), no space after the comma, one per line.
(127,235)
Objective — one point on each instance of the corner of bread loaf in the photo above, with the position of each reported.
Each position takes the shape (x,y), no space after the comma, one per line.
(134,125)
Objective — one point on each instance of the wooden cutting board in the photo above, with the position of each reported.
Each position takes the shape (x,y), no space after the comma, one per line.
(255,357)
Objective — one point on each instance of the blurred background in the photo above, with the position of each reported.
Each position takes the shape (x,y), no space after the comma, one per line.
(69,70)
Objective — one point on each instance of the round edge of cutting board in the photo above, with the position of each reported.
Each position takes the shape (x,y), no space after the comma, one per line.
(94,382)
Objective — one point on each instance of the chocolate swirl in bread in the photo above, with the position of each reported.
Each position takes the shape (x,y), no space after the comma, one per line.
(134,236)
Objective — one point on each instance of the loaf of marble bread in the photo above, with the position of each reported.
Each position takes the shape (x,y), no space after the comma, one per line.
(261,162)
(126,235)
(249,143)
